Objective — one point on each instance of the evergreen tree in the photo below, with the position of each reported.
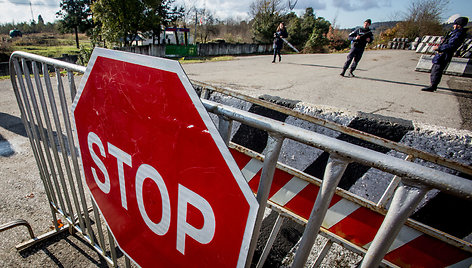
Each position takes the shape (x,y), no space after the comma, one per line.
(119,21)
(267,15)
(297,36)
(160,14)
(75,15)
(318,38)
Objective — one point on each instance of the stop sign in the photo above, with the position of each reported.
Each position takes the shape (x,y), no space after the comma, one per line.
(156,166)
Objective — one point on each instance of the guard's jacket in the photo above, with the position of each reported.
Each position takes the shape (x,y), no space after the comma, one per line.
(364,33)
(278,42)
(451,43)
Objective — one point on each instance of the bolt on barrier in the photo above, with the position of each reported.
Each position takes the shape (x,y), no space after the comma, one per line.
(44,106)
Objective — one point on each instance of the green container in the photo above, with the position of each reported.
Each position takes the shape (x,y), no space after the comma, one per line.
(181,51)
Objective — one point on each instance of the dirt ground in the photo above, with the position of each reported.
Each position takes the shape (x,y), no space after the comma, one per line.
(22,196)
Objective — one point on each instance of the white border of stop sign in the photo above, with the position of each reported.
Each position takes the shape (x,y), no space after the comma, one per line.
(145,171)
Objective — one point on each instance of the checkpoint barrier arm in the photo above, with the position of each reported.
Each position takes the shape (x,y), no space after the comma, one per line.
(290,45)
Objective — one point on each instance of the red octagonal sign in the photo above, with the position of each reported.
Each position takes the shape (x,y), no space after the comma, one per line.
(156,166)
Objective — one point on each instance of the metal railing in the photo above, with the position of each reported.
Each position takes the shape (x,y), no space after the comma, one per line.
(45,114)
(44,108)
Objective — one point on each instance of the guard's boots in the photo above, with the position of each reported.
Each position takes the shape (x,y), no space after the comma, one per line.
(343,72)
(431,88)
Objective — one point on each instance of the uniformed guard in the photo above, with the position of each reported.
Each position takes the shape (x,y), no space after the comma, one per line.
(359,39)
(444,52)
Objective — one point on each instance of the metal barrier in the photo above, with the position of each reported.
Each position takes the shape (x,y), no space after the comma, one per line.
(44,108)
(45,114)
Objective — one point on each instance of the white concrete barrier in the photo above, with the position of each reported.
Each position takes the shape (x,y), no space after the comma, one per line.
(458,66)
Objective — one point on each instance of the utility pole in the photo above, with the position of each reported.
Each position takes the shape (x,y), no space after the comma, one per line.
(31,9)
(196,22)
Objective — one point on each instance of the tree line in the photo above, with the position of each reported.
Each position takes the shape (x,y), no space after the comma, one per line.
(111,22)
(118,22)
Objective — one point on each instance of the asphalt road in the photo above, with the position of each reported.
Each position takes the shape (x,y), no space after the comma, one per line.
(386,83)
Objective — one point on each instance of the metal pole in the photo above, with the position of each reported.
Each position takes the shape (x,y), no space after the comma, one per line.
(405,200)
(270,161)
(273,235)
(322,254)
(196,22)
(225,126)
(333,173)
(16,223)
(391,187)
(205,93)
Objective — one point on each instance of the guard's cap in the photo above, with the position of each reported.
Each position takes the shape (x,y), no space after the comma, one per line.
(368,21)
(462,21)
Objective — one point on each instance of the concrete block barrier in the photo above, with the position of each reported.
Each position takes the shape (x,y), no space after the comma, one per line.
(457,66)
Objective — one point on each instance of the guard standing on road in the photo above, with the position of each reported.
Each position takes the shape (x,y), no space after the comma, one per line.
(444,52)
(359,39)
(278,41)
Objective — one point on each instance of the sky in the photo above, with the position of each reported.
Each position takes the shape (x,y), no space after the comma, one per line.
(344,13)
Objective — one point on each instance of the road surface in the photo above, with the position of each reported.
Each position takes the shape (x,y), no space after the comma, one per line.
(386,84)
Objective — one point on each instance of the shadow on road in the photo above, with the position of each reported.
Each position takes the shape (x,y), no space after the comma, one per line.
(413,84)
(389,81)
(13,124)
(80,245)
(322,66)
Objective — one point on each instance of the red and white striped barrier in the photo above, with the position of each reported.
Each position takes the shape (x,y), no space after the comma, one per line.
(354,222)
(428,43)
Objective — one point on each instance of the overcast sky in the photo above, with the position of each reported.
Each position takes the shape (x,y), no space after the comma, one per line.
(345,13)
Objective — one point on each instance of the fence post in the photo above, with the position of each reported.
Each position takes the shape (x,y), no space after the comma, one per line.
(225,125)
(333,173)
(270,161)
(406,198)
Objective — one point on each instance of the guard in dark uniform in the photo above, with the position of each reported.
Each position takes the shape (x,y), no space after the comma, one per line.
(278,41)
(359,39)
(445,51)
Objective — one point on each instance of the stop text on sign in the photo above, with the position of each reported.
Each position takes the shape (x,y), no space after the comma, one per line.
(145,171)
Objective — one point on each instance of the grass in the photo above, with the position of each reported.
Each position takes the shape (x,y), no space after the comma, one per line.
(46,44)
(184,60)
(48,51)
(55,45)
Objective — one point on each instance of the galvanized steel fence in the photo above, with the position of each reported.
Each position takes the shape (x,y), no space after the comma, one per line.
(44,105)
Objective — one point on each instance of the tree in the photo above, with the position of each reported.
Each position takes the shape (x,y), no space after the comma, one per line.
(300,29)
(76,16)
(208,25)
(318,38)
(119,21)
(308,20)
(40,20)
(296,35)
(267,14)
(338,39)
(423,18)
(160,14)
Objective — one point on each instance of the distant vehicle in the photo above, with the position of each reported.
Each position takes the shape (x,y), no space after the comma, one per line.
(15,33)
